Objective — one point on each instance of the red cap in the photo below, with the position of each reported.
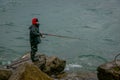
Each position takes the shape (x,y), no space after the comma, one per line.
(34,21)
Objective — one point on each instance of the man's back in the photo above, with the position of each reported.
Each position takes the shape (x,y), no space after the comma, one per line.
(34,34)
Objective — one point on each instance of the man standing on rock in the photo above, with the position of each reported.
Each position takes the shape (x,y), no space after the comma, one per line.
(34,38)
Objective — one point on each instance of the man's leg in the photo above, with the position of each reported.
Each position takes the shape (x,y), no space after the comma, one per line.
(33,52)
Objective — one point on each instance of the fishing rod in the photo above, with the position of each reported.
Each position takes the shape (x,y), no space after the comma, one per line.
(14,63)
(60,36)
(115,59)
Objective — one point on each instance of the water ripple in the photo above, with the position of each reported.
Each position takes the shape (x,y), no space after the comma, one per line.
(85,62)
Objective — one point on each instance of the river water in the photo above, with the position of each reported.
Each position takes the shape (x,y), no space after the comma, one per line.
(95,22)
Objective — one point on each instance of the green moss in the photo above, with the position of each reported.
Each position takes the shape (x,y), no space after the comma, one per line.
(116,69)
(33,73)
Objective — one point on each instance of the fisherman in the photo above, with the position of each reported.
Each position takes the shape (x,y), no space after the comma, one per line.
(34,38)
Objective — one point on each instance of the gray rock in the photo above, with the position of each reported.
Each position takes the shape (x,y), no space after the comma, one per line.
(109,71)
(50,65)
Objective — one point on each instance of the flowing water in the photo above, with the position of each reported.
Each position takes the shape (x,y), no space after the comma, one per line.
(95,22)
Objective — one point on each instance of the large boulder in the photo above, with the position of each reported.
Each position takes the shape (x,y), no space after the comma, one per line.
(5,74)
(28,71)
(109,71)
(51,65)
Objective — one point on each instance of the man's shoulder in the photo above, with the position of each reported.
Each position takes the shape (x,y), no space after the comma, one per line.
(32,26)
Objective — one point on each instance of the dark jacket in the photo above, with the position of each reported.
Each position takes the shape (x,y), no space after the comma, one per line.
(34,34)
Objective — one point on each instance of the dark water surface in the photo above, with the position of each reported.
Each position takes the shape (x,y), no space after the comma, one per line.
(95,22)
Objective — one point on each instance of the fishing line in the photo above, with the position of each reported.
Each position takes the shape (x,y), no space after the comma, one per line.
(60,36)
(115,59)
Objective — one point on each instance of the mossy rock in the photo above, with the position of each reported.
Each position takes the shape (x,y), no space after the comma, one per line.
(29,71)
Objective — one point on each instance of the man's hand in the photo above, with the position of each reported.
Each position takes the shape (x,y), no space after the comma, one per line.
(42,36)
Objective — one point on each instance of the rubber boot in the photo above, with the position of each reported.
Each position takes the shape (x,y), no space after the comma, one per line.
(33,58)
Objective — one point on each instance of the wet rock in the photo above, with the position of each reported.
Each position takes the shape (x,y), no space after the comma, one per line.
(28,71)
(51,65)
(109,71)
(41,61)
(5,74)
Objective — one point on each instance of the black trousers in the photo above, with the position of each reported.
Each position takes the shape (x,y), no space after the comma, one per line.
(34,49)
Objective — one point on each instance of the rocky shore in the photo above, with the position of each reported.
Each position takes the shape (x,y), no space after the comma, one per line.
(52,68)
(29,71)
(109,71)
